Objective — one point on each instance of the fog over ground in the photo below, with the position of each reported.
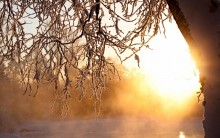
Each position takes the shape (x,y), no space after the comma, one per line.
(127,111)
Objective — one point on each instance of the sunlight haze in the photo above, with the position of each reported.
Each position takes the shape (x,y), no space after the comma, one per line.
(169,66)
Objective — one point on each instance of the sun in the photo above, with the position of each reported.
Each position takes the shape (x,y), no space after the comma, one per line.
(170,66)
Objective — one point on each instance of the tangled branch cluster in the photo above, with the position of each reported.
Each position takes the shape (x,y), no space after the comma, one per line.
(45,40)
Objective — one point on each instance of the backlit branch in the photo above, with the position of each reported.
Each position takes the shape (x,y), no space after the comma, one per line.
(46,40)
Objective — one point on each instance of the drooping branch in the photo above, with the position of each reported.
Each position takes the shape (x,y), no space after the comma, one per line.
(47,40)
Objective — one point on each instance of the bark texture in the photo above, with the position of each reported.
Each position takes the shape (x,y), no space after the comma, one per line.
(180,20)
(200,26)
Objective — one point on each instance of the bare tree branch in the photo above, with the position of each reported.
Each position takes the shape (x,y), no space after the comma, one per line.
(48,39)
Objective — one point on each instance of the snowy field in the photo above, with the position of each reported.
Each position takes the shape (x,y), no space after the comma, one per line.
(107,128)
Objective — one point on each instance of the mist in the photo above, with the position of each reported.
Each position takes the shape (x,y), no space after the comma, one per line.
(130,107)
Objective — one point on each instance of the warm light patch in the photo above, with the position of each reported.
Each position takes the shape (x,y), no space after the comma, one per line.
(171,69)
(181,135)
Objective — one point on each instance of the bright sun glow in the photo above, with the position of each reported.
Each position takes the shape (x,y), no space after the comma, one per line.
(169,65)
(181,135)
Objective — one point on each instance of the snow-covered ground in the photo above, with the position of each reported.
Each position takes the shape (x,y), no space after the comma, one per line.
(107,128)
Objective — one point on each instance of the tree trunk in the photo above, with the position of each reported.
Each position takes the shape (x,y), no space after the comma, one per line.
(199,22)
